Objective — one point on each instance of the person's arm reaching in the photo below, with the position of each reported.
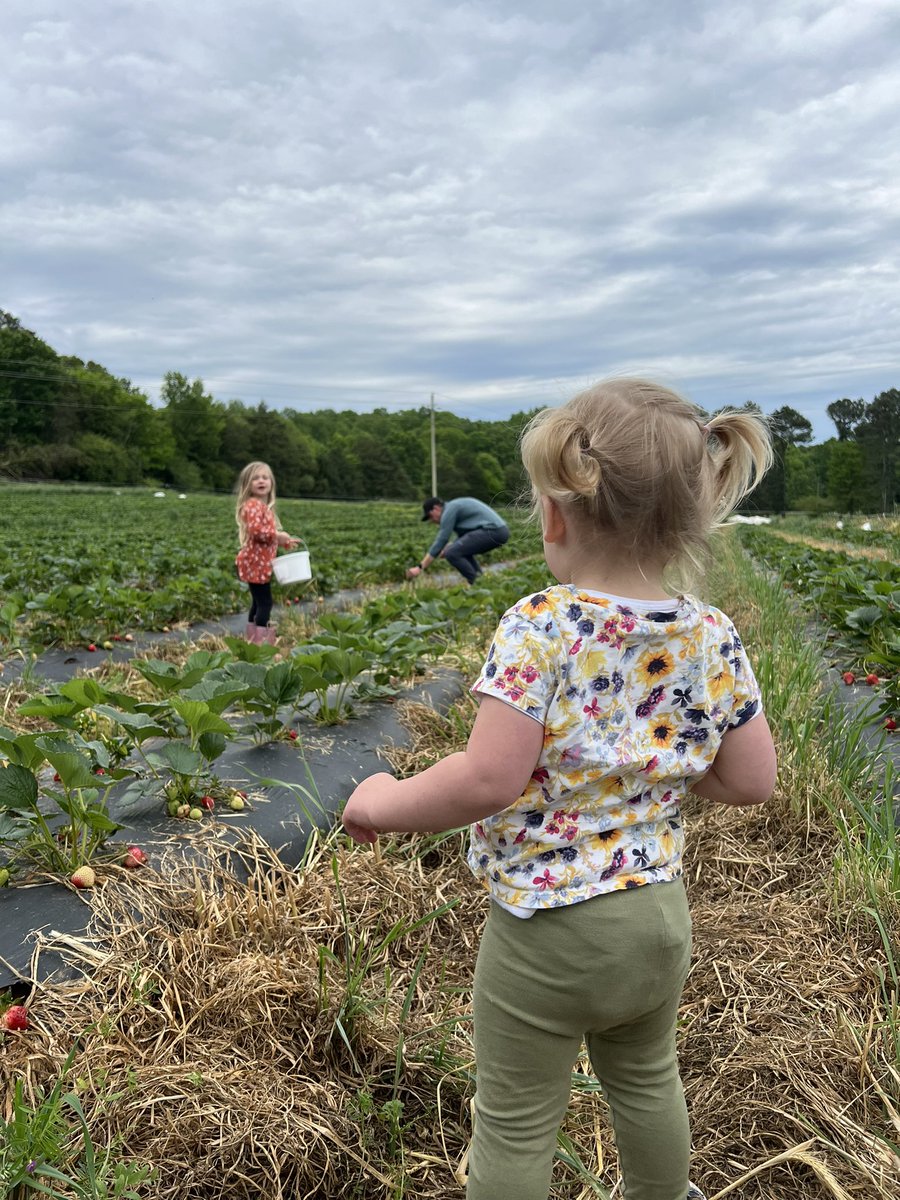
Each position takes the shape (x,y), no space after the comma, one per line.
(485,778)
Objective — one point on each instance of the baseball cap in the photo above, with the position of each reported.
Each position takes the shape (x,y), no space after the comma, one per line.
(429,504)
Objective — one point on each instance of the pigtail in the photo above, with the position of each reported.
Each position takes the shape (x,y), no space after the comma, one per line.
(560,459)
(635,464)
(740,446)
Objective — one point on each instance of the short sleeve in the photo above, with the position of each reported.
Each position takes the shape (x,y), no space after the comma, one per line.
(746,698)
(522,665)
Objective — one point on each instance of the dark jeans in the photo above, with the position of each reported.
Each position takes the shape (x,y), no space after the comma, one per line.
(261,606)
(461,553)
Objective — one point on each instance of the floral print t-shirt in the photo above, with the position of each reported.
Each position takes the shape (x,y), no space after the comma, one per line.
(635,699)
(255,558)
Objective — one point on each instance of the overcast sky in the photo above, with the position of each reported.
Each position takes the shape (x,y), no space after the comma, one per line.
(361,202)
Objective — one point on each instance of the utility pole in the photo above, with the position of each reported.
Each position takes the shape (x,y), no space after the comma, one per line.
(433,452)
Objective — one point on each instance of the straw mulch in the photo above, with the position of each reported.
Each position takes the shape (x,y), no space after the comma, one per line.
(299,1035)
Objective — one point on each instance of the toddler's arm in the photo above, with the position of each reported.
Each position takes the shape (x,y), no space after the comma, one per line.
(259,522)
(488,776)
(745,767)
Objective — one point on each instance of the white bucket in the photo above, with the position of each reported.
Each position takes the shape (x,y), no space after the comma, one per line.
(293,568)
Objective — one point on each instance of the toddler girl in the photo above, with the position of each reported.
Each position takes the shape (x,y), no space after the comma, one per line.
(260,536)
(605,698)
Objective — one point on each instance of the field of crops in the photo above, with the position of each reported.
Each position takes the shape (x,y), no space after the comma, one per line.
(848,577)
(262,1029)
(77,565)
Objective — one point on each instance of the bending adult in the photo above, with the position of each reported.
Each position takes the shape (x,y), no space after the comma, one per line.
(476,526)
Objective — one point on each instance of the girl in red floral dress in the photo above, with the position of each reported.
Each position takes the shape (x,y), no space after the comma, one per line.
(260,539)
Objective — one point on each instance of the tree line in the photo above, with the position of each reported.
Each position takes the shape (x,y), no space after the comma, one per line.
(64,419)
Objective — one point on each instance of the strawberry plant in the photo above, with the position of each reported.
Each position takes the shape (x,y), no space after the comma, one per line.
(57,827)
(88,565)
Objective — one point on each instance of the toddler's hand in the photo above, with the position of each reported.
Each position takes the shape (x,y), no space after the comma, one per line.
(361,812)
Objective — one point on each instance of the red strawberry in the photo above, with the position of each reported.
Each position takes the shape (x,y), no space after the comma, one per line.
(872,679)
(56,777)
(848,677)
(117,637)
(135,857)
(292,734)
(890,724)
(16,1017)
(99,771)
(92,647)
(207,802)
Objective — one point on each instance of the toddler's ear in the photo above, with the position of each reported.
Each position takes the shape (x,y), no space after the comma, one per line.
(553,523)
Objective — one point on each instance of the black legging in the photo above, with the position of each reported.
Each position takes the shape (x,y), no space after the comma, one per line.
(261,607)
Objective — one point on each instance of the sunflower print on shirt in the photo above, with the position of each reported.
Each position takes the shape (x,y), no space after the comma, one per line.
(634,705)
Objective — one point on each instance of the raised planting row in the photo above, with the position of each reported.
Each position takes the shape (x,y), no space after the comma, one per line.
(153,732)
(859,599)
(855,530)
(79,567)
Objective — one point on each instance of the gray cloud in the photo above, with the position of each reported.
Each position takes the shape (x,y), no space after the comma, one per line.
(373,202)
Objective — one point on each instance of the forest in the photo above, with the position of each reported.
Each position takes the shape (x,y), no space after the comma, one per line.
(66,420)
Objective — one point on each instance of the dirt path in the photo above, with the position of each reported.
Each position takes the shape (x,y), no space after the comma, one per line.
(877,553)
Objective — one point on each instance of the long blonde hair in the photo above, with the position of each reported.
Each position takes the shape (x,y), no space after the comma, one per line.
(644,469)
(243,494)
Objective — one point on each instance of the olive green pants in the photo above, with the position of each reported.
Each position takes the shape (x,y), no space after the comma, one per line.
(608,972)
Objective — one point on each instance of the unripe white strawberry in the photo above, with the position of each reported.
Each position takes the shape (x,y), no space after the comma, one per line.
(84,877)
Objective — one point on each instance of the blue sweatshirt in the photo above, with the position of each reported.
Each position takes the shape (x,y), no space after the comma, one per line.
(462,516)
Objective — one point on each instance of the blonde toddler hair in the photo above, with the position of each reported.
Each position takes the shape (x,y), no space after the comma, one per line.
(243,494)
(643,468)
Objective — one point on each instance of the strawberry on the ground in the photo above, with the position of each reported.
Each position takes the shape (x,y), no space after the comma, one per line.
(236,804)
(84,877)
(848,677)
(91,647)
(872,679)
(134,857)
(292,734)
(16,1017)
(890,725)
(208,802)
